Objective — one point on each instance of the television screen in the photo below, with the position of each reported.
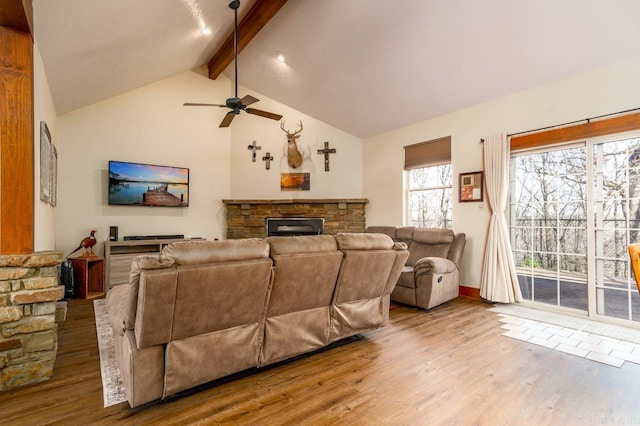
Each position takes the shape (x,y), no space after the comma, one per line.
(135,184)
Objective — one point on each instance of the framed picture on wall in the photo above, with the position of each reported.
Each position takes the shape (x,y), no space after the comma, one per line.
(295,181)
(45,163)
(471,188)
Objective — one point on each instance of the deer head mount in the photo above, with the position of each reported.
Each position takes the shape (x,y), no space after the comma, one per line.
(294,158)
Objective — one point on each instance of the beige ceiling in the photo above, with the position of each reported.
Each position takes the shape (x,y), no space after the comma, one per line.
(364,66)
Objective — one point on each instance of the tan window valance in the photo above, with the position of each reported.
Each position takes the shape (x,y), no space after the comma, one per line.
(429,153)
(578,132)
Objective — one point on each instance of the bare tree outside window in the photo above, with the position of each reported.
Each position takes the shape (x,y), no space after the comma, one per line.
(429,200)
(558,200)
(549,217)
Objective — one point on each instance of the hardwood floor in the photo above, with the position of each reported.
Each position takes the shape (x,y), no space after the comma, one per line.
(450,365)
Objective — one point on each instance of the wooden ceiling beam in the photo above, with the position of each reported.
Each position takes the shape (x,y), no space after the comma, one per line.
(255,19)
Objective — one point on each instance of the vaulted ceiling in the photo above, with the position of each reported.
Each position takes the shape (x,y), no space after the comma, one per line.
(364,66)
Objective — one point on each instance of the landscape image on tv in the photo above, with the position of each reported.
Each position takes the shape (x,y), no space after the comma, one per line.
(135,184)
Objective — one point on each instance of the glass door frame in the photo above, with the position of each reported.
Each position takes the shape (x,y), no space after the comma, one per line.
(592,266)
(592,289)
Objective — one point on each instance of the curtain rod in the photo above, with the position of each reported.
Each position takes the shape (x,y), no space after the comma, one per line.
(588,120)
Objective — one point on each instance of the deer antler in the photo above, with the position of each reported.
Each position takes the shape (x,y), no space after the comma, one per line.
(290,135)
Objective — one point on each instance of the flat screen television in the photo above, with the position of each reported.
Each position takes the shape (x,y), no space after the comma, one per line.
(136,184)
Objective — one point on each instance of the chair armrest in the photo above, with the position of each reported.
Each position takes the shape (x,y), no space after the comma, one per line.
(457,247)
(398,245)
(433,265)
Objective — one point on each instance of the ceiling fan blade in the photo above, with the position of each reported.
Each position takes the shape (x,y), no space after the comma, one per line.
(196,104)
(248,100)
(264,114)
(226,121)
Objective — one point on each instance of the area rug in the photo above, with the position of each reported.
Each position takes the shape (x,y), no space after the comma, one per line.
(112,387)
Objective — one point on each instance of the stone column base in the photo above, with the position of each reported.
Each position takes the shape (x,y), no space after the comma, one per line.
(29,313)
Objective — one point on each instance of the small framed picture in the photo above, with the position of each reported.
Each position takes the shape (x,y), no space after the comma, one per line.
(471,188)
(295,181)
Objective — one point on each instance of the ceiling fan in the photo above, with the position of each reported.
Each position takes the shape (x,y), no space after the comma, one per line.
(236,104)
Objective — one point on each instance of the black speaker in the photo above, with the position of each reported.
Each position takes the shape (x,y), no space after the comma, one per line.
(66,276)
(113,233)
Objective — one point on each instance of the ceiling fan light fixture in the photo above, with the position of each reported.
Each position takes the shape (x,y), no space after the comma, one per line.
(280,56)
(235,104)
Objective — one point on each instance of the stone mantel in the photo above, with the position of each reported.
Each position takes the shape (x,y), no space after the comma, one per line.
(301,201)
(247,218)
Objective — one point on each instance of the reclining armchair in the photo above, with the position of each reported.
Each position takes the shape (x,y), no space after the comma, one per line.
(430,276)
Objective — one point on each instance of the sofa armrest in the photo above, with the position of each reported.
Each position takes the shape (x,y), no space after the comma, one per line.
(433,265)
(117,307)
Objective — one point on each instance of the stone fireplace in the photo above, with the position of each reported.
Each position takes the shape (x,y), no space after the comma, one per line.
(247,218)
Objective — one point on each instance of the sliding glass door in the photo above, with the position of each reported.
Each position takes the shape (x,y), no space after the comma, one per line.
(616,221)
(574,209)
(548,225)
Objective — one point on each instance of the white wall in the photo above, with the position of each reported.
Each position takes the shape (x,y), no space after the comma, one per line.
(44,110)
(251,180)
(148,125)
(607,90)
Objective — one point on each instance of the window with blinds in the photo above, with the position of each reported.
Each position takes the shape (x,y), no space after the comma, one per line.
(427,168)
(430,153)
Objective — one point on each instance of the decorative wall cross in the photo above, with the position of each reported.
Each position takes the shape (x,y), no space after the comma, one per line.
(254,148)
(326,151)
(268,158)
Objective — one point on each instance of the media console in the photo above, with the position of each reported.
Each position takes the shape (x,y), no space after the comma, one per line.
(119,254)
(154,237)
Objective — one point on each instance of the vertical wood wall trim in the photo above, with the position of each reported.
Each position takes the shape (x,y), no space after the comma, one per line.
(16,142)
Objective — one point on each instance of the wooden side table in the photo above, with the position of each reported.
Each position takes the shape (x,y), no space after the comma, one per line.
(88,274)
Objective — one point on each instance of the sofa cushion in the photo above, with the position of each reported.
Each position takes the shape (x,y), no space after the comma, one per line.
(433,236)
(220,295)
(419,250)
(139,264)
(201,251)
(366,241)
(434,265)
(387,230)
(199,359)
(303,281)
(302,244)
(429,243)
(295,333)
(305,273)
(405,234)
(154,311)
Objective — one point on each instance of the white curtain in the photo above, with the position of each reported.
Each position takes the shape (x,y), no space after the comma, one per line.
(499,282)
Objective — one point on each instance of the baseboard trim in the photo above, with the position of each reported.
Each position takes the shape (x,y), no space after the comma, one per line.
(471,292)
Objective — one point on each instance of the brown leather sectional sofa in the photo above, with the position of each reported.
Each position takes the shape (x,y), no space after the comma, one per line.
(206,309)
(431,275)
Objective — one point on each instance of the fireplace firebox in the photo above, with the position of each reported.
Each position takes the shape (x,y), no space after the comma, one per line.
(294,226)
